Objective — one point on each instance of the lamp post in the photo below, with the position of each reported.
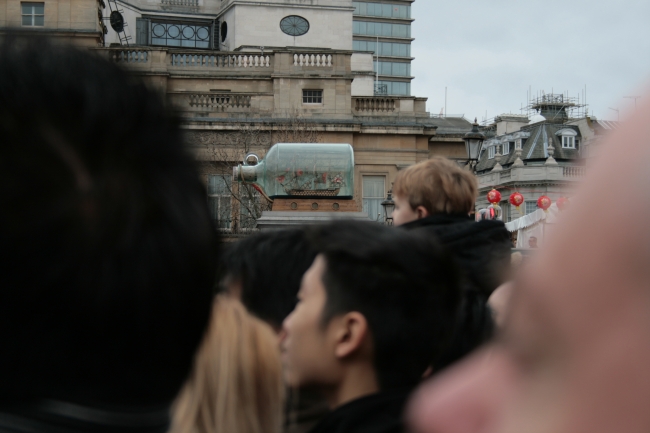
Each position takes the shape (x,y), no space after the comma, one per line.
(473,142)
(389,207)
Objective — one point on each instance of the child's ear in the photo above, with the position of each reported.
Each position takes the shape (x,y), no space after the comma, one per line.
(422,212)
(351,334)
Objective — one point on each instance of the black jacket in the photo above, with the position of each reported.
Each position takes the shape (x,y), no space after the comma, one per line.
(50,416)
(376,413)
(481,251)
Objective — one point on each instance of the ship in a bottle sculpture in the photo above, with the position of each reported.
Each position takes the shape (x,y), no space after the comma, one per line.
(301,170)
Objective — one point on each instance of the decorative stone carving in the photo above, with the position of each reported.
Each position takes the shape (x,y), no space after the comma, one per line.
(551,152)
(497,158)
(518,162)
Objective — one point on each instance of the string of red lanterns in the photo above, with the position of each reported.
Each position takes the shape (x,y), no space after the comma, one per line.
(517,199)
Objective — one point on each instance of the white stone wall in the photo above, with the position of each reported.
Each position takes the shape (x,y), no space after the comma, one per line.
(361,62)
(362,85)
(259,25)
(228,44)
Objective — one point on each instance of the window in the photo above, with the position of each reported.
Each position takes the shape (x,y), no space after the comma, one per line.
(373,194)
(293,25)
(491,152)
(382,10)
(33,14)
(396,88)
(505,147)
(568,142)
(312,96)
(224,31)
(531,206)
(393,68)
(220,200)
(391,49)
(381,29)
(251,201)
(180,35)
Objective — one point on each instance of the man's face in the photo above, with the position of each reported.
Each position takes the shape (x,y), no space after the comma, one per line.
(307,345)
(532,242)
(403,212)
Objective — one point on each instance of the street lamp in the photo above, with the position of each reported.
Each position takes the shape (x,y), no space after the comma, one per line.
(473,142)
(389,207)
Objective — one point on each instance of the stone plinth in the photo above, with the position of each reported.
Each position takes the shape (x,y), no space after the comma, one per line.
(272,220)
(314,205)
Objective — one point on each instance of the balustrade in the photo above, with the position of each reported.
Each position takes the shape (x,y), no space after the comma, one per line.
(317,60)
(220,61)
(129,56)
(573,171)
(220,102)
(374,105)
(190,3)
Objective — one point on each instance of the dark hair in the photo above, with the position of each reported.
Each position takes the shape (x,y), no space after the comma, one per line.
(405,286)
(474,327)
(270,266)
(109,255)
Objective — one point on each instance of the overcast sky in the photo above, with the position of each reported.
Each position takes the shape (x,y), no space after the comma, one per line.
(488,53)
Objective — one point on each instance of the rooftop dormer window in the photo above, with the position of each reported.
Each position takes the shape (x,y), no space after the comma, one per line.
(568,137)
(491,152)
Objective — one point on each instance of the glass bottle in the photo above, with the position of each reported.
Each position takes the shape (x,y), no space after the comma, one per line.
(303,170)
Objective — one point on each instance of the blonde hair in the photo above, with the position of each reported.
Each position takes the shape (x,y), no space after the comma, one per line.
(439,185)
(236,383)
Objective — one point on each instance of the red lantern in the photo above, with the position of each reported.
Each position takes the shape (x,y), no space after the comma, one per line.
(494,197)
(544,203)
(562,203)
(516,199)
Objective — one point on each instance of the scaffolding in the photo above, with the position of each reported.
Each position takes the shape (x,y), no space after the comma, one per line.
(554,106)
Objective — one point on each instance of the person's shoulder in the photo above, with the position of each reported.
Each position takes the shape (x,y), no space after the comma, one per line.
(376,413)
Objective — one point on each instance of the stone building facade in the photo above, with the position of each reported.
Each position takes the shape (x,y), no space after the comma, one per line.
(243,73)
(73,21)
(221,93)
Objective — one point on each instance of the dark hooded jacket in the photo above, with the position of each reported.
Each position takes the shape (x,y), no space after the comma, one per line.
(482,252)
(481,249)
(376,413)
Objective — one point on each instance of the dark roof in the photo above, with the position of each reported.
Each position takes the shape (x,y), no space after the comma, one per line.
(450,125)
(536,140)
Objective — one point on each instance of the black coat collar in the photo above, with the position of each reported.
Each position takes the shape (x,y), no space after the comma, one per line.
(376,413)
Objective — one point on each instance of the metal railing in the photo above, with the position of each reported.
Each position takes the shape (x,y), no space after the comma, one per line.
(381,89)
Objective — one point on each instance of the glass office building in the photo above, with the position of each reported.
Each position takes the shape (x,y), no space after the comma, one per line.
(385,29)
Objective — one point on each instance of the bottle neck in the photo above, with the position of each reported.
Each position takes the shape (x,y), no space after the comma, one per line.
(246,173)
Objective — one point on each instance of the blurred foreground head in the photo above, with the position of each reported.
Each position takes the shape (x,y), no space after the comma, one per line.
(108,253)
(575,349)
